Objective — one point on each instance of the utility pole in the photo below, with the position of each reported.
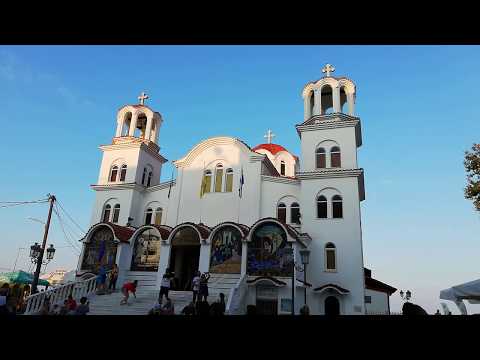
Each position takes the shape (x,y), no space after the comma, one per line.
(51,199)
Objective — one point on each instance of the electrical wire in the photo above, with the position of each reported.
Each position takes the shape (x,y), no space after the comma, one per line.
(64,232)
(71,219)
(17,203)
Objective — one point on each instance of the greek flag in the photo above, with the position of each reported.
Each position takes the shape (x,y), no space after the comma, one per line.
(242,181)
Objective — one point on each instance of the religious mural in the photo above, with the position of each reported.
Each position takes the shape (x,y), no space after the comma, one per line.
(226,251)
(100,250)
(146,252)
(269,253)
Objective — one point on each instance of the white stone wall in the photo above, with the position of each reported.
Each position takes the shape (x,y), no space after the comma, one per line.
(379,304)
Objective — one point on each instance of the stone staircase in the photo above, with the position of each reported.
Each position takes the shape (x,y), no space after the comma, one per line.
(147,297)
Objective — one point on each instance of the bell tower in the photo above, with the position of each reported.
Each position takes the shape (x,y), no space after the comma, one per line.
(131,163)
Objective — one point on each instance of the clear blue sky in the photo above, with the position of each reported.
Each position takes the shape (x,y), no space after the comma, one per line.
(418,105)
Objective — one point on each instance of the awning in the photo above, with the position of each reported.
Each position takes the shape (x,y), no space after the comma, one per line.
(333,287)
(21,277)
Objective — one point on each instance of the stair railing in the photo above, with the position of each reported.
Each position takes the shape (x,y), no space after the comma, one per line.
(58,294)
(236,298)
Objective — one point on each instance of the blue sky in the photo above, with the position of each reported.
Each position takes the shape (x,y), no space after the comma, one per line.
(418,106)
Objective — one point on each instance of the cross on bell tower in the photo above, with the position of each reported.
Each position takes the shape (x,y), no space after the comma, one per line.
(142,98)
(328,69)
(269,136)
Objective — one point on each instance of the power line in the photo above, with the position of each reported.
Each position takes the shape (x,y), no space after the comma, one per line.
(64,232)
(11,203)
(68,215)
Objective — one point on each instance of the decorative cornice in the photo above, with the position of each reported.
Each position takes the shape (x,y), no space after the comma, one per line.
(280,179)
(221,140)
(316,119)
(150,148)
(329,173)
(117,186)
(161,186)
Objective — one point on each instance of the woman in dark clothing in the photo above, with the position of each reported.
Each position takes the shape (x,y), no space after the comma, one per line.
(113,278)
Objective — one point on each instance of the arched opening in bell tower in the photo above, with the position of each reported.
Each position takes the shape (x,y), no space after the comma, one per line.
(343,100)
(141,127)
(127,119)
(327,99)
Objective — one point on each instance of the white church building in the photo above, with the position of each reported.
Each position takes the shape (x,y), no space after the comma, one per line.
(244,214)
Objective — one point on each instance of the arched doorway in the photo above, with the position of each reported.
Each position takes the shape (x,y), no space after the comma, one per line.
(100,249)
(146,251)
(226,251)
(184,257)
(332,306)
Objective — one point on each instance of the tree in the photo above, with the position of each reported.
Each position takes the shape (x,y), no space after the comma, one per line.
(472,167)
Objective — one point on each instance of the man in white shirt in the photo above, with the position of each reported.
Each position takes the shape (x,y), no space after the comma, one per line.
(165,286)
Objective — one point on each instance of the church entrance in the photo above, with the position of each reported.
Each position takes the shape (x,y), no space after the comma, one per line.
(184,258)
(332,306)
(267,300)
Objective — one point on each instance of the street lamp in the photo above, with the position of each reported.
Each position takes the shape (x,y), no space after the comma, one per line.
(35,251)
(304,257)
(407,296)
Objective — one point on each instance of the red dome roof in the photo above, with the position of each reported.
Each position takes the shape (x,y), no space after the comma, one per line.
(273,148)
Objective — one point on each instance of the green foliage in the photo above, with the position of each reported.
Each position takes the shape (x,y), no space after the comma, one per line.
(472,167)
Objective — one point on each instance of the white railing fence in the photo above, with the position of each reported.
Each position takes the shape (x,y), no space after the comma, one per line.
(236,304)
(59,294)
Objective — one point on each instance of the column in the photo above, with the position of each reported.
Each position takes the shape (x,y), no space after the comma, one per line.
(133,125)
(148,128)
(157,129)
(119,128)
(351,104)
(318,102)
(336,99)
(306,107)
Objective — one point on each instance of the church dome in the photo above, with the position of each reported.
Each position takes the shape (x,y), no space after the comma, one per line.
(273,148)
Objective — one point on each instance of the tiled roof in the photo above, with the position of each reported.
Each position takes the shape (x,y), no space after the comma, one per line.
(164,230)
(273,148)
(122,233)
(203,229)
(376,285)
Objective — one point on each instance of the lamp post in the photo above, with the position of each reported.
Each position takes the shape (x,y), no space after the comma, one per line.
(37,251)
(304,257)
(405,296)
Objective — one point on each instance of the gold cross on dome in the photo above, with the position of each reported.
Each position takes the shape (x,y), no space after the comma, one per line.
(142,98)
(269,136)
(328,69)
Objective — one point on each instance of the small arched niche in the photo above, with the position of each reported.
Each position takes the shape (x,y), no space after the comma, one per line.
(327,99)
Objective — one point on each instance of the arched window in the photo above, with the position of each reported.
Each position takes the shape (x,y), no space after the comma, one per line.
(322,207)
(123,172)
(150,173)
(144,175)
(148,216)
(282,212)
(269,253)
(337,208)
(330,257)
(218,178)
(295,213)
(229,180)
(335,157)
(100,249)
(226,251)
(106,213)
(282,167)
(116,213)
(146,252)
(113,173)
(320,158)
(343,100)
(158,216)
(141,126)
(207,182)
(127,119)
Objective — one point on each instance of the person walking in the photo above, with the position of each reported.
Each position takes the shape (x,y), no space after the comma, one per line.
(127,288)
(101,280)
(203,288)
(196,286)
(113,278)
(165,286)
